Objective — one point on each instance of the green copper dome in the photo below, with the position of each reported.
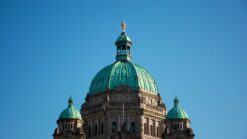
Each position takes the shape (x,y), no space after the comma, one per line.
(123,38)
(177,112)
(123,74)
(70,112)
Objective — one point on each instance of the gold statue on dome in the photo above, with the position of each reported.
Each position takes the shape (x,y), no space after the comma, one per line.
(123,25)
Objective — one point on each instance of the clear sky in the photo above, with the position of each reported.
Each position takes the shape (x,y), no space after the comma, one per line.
(51,49)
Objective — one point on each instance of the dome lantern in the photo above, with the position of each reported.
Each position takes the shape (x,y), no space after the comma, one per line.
(70,101)
(123,45)
(176,102)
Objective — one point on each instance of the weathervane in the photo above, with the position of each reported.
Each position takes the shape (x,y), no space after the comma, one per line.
(123,25)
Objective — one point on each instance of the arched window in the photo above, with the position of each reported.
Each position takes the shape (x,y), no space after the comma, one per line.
(89,131)
(132,127)
(101,128)
(146,126)
(174,126)
(95,130)
(157,131)
(151,130)
(182,126)
(114,126)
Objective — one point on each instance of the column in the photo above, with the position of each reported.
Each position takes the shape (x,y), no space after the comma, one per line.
(141,127)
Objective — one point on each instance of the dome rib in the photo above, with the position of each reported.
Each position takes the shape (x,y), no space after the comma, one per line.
(136,76)
(151,86)
(110,77)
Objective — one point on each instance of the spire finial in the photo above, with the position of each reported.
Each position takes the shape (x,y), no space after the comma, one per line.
(176,102)
(123,26)
(70,101)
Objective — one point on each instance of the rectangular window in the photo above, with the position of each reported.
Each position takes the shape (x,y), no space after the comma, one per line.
(101,128)
(95,130)
(145,129)
(157,131)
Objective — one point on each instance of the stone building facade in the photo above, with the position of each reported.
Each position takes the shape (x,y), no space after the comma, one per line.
(123,102)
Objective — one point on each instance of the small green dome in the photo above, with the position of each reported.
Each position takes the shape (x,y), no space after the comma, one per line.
(123,74)
(70,112)
(177,112)
(123,38)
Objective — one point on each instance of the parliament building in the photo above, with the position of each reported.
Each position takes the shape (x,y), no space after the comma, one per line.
(123,102)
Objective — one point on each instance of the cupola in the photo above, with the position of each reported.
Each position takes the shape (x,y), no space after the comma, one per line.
(70,112)
(177,112)
(69,124)
(123,45)
(177,123)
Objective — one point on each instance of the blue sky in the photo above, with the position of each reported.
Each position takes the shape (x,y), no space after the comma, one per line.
(194,49)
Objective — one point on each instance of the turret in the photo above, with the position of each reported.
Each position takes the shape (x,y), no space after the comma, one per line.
(177,123)
(70,124)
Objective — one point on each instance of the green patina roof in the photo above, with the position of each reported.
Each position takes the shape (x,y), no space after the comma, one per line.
(70,112)
(123,74)
(177,112)
(123,38)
